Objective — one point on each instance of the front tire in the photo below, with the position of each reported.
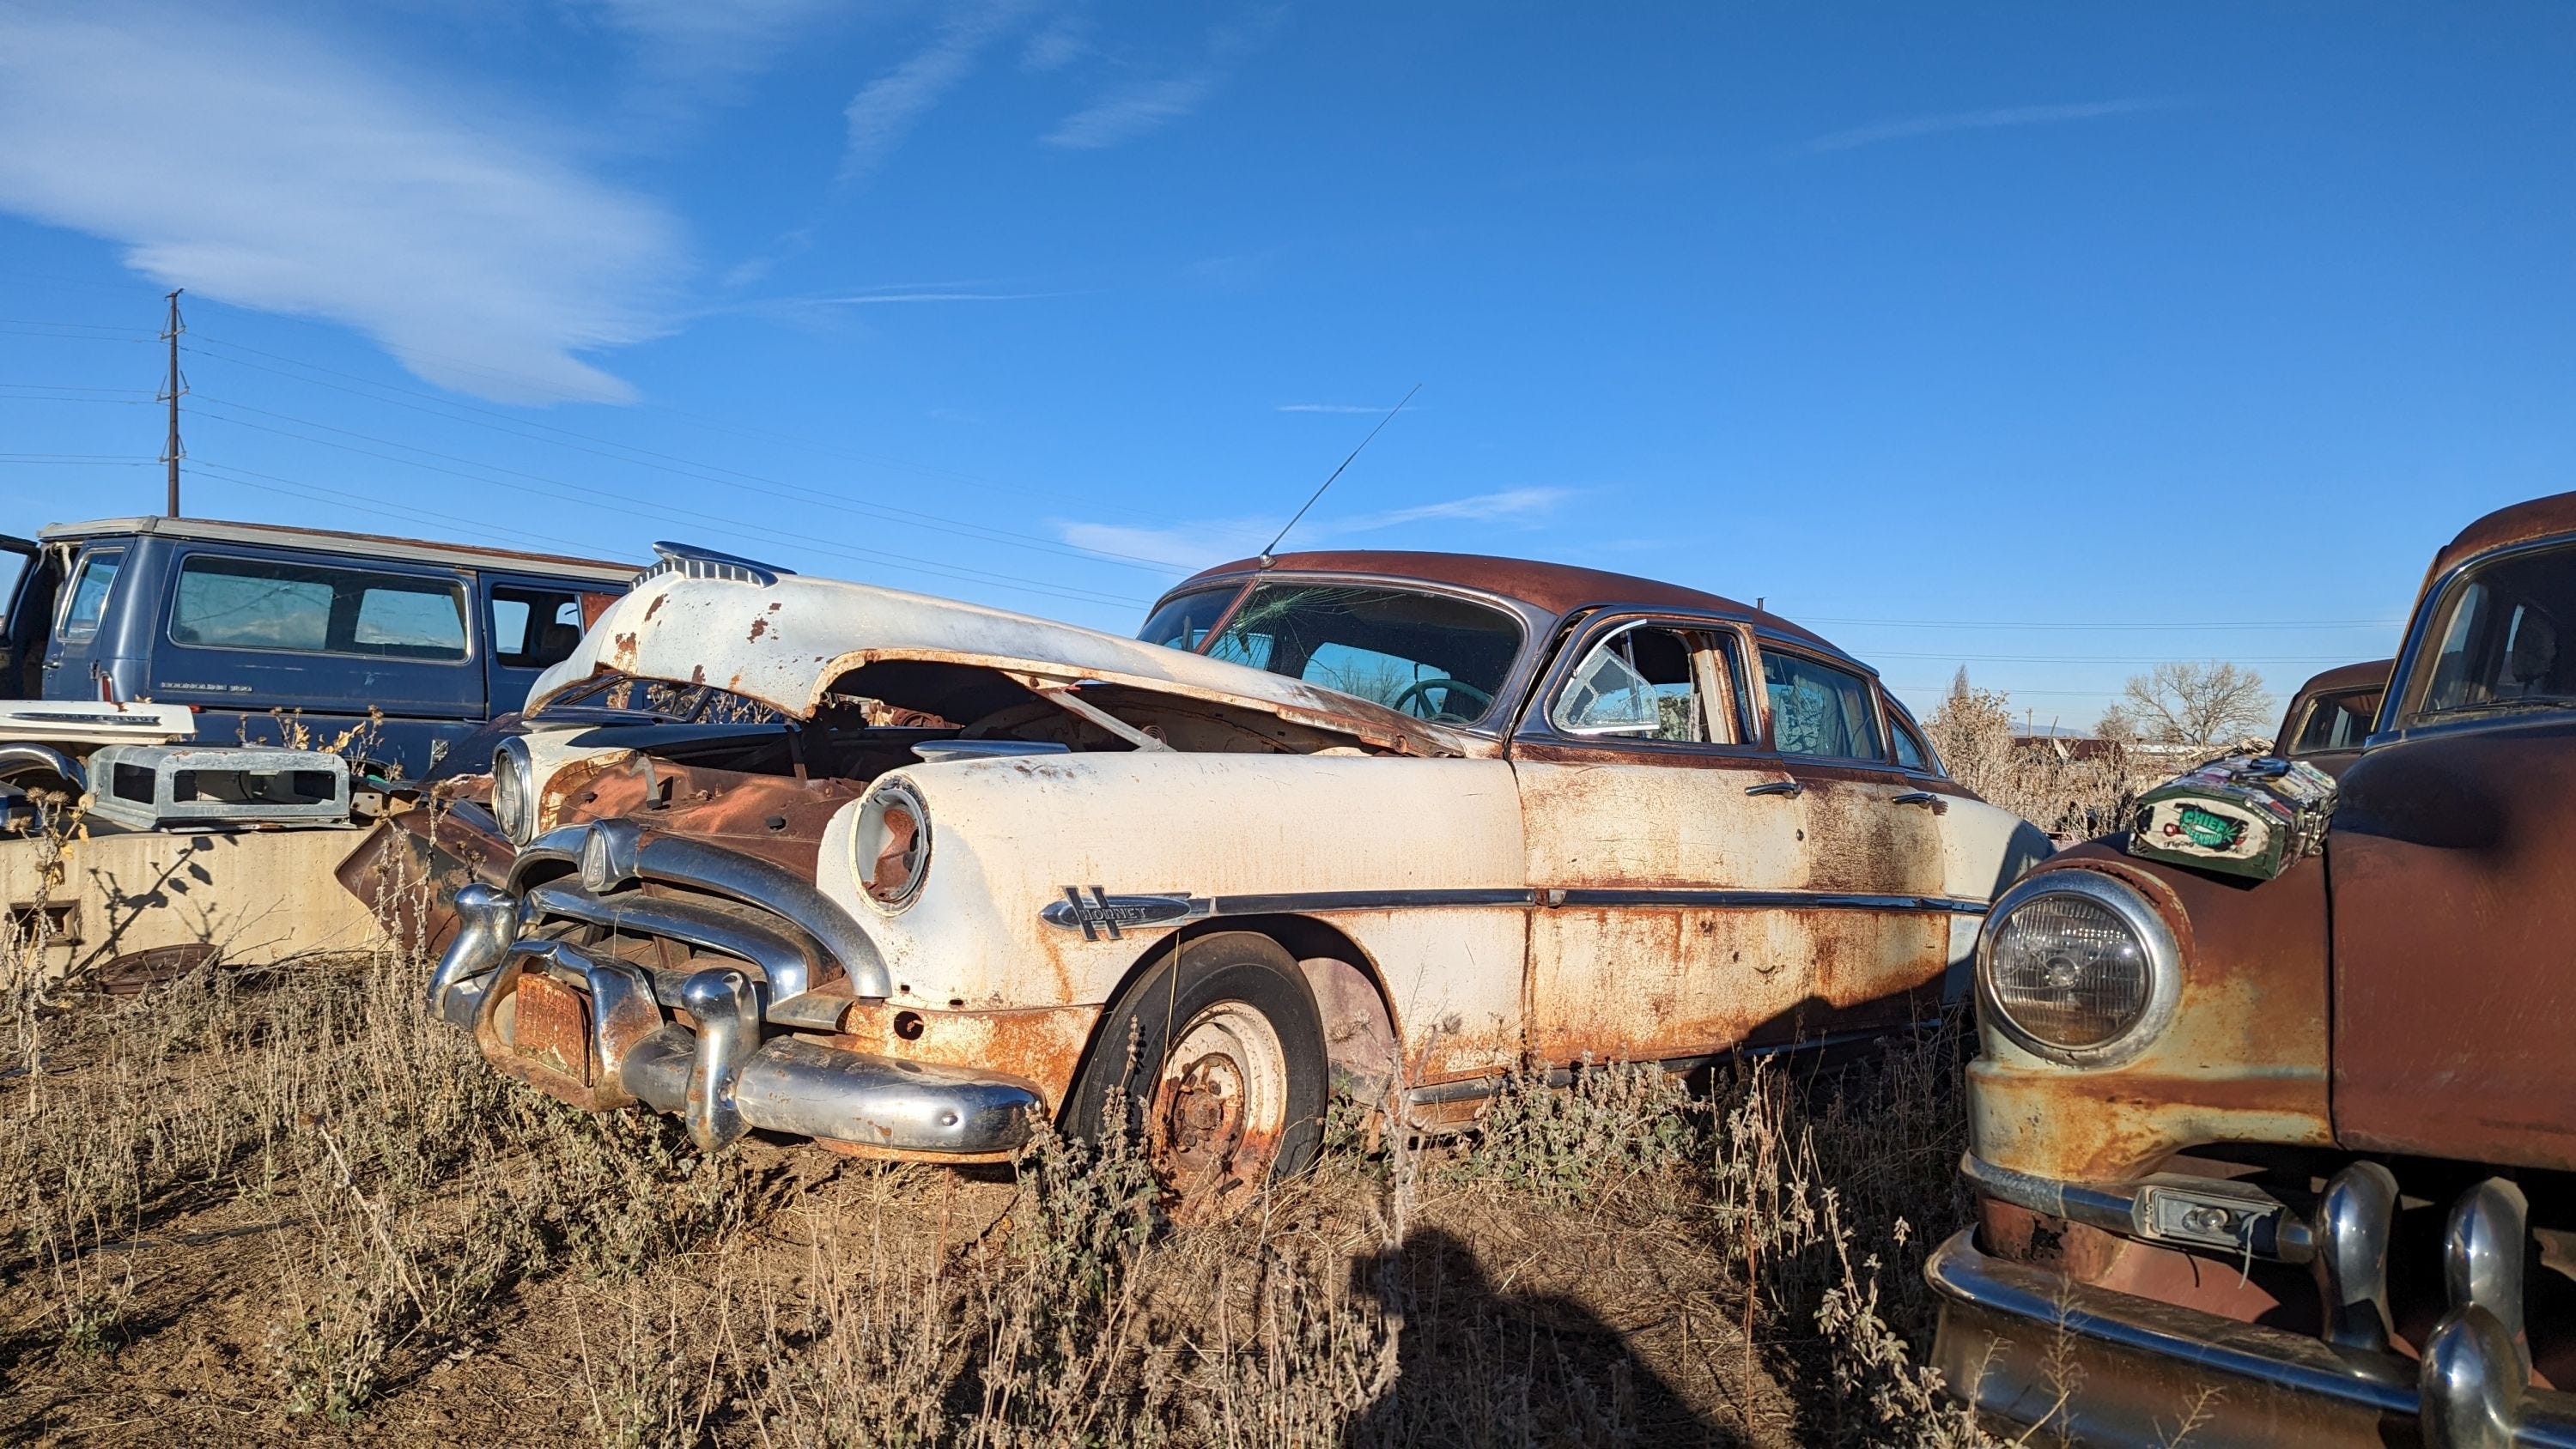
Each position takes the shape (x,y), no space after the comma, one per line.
(1219,1053)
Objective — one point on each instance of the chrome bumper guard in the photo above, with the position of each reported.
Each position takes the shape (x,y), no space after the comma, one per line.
(721,1077)
(2471,1388)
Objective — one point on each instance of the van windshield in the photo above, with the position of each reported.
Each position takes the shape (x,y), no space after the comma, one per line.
(1428,655)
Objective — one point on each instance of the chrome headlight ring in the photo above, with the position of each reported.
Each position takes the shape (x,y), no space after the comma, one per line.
(2160,953)
(890,844)
(514,791)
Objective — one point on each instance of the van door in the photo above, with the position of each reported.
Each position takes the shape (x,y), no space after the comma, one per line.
(83,636)
(529,625)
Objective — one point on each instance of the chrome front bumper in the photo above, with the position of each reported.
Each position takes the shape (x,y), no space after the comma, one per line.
(605,1037)
(2028,1346)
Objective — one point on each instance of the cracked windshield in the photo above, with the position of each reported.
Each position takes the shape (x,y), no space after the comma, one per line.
(1431,656)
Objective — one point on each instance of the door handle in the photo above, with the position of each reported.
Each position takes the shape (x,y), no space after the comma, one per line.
(1790,788)
(1938,805)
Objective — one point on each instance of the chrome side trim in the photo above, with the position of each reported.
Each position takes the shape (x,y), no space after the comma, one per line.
(790,961)
(1720,900)
(1156,908)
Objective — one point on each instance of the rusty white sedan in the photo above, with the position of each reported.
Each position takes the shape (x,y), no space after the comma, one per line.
(902,874)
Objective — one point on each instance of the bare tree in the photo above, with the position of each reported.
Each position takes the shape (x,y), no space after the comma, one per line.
(2204,706)
(2044,781)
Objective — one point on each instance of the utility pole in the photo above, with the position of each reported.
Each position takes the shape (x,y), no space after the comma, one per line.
(170,394)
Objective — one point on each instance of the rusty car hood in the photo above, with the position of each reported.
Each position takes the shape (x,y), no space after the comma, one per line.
(784,644)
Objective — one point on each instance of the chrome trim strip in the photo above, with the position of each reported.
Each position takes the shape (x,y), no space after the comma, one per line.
(1723,900)
(1397,900)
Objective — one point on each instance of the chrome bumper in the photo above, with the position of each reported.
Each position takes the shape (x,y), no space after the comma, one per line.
(720,1075)
(2028,1346)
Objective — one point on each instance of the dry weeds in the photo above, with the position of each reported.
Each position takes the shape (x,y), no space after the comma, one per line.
(250,1205)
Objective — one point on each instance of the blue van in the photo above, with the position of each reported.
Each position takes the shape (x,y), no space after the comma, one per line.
(263,630)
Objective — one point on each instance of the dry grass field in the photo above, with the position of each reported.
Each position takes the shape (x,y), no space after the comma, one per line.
(243,1207)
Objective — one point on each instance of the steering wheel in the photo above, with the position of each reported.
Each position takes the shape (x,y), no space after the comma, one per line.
(1417,688)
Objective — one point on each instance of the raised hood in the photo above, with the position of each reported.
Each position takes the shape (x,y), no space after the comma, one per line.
(785,643)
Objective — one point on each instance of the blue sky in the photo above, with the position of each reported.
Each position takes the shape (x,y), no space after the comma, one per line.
(2053,340)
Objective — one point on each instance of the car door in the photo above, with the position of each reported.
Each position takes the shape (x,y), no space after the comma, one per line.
(1661,838)
(29,620)
(81,644)
(1872,866)
(529,624)
(2447,860)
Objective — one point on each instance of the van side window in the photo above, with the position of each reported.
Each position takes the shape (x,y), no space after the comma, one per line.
(89,593)
(242,603)
(533,628)
(1817,709)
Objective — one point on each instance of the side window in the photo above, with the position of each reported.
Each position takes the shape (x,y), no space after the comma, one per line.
(1649,683)
(242,603)
(1817,709)
(1911,752)
(532,628)
(88,593)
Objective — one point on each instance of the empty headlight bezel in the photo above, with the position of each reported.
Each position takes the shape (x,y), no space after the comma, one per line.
(866,827)
(2155,937)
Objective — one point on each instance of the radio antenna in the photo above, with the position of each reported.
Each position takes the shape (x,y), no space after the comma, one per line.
(1337,472)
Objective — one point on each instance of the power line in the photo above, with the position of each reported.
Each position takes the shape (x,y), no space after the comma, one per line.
(221,345)
(319,493)
(77,459)
(2102,658)
(728,526)
(712,473)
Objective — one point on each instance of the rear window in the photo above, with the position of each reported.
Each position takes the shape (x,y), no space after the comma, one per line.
(1817,709)
(242,603)
(2337,722)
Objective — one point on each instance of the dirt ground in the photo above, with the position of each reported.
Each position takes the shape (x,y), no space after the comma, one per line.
(241,1209)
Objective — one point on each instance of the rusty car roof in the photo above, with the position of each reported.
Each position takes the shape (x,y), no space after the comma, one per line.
(1550,588)
(2365,675)
(2524,522)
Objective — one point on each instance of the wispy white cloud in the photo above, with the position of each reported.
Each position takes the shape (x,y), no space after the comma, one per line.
(1151,100)
(1063,41)
(1907,129)
(712,43)
(1195,545)
(1126,114)
(255,165)
(884,112)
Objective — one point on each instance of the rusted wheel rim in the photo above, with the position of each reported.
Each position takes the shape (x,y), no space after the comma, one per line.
(1219,1109)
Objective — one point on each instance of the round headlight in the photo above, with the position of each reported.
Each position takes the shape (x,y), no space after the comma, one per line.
(2078,967)
(514,793)
(891,846)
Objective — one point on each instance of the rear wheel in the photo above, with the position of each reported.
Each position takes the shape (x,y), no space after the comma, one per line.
(1219,1054)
